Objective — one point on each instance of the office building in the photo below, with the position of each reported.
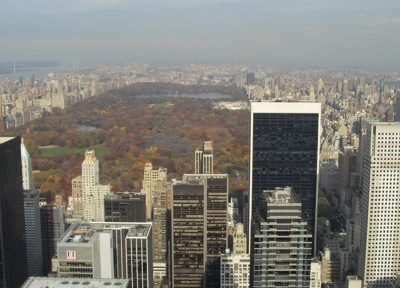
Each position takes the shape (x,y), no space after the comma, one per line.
(347,166)
(13,264)
(108,250)
(250,78)
(77,196)
(235,270)
(380,210)
(199,229)
(52,228)
(150,176)
(125,207)
(284,151)
(33,234)
(239,240)
(330,266)
(139,259)
(36,282)
(93,191)
(204,159)
(282,242)
(315,274)
(397,107)
(27,176)
(160,231)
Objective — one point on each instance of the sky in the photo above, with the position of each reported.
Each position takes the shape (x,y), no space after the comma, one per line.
(337,33)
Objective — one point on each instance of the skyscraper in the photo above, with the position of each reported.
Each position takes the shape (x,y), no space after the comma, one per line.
(93,191)
(33,233)
(77,195)
(284,151)
(13,264)
(380,205)
(199,229)
(204,159)
(250,78)
(32,217)
(282,242)
(149,183)
(52,226)
(160,230)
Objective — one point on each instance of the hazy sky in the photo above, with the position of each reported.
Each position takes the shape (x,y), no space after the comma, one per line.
(310,32)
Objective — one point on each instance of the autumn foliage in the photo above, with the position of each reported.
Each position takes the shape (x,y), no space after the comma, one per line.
(136,132)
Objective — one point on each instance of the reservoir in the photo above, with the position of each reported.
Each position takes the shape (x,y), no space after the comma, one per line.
(200,95)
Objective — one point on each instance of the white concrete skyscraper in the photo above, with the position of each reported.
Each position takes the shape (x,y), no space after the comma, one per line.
(93,192)
(27,176)
(379,260)
(204,159)
(150,177)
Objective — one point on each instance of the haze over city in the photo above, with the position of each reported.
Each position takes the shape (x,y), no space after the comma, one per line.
(330,33)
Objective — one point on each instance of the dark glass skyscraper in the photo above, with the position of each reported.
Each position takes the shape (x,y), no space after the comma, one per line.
(199,229)
(284,151)
(13,264)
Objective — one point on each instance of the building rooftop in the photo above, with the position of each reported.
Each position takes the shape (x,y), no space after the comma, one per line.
(281,195)
(141,230)
(46,282)
(126,195)
(81,233)
(5,139)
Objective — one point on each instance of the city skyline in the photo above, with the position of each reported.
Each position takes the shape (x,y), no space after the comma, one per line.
(308,32)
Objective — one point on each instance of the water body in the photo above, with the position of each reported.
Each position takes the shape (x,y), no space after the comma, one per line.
(85,128)
(38,73)
(200,95)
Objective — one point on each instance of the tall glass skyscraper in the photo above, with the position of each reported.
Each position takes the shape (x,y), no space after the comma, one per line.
(284,151)
(13,264)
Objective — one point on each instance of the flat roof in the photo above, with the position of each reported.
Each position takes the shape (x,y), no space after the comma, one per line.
(281,195)
(285,107)
(5,139)
(139,230)
(42,282)
(81,233)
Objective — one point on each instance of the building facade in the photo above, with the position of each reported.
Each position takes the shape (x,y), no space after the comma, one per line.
(284,151)
(77,196)
(160,231)
(120,250)
(149,183)
(125,207)
(235,270)
(380,205)
(33,234)
(204,159)
(93,192)
(27,176)
(13,264)
(52,228)
(199,229)
(282,242)
(139,259)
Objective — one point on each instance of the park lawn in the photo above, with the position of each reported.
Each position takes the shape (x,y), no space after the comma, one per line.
(160,105)
(53,151)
